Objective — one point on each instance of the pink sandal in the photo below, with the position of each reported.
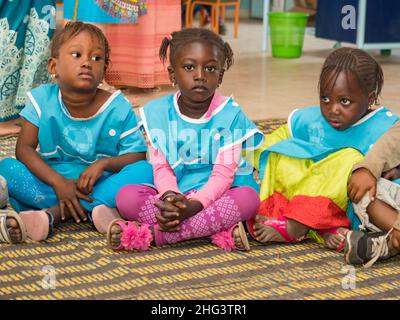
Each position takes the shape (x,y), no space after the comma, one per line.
(135,236)
(334,231)
(225,240)
(279,224)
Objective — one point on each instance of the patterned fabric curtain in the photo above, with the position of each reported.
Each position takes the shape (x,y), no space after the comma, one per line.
(126,10)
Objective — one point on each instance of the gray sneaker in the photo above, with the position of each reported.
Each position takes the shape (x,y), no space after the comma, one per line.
(366,248)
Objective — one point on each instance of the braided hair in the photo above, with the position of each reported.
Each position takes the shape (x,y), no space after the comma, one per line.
(361,64)
(180,39)
(74,28)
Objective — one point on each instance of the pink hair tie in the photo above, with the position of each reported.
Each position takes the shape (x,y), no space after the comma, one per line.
(169,37)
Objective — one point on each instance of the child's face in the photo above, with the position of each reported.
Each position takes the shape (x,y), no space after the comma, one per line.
(345,103)
(80,63)
(198,71)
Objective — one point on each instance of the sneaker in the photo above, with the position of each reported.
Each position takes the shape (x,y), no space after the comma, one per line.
(366,248)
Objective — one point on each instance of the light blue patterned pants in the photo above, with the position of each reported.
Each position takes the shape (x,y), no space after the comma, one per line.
(27,192)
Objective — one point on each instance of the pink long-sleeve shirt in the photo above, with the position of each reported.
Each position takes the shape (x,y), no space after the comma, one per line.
(222,175)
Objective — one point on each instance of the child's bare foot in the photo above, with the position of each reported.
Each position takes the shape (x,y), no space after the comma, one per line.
(265,233)
(12,228)
(334,238)
(240,237)
(276,230)
(116,234)
(235,238)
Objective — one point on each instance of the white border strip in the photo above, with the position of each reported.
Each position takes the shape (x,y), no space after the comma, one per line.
(34,103)
(72,156)
(368,116)
(252,132)
(102,108)
(202,119)
(127,133)
(289,122)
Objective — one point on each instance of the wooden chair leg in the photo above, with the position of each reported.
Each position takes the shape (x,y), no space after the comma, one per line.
(217,19)
(237,11)
(213,17)
(191,15)
(187,15)
(223,13)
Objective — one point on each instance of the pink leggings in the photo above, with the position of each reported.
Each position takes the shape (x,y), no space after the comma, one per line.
(136,203)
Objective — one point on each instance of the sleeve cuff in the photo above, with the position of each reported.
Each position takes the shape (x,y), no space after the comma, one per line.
(374,168)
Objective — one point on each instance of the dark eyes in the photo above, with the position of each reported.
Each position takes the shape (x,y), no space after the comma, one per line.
(190,67)
(325,99)
(77,55)
(343,101)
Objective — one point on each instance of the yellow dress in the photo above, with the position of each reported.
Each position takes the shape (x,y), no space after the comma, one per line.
(312,193)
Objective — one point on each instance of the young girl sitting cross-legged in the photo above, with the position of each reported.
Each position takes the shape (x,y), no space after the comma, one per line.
(305,164)
(202,185)
(89,140)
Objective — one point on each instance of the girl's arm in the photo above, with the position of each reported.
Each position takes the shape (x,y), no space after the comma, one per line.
(89,176)
(164,177)
(26,153)
(115,164)
(65,189)
(222,176)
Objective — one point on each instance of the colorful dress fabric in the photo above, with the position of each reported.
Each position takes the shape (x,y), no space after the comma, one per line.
(191,145)
(104,11)
(305,166)
(26,28)
(134,46)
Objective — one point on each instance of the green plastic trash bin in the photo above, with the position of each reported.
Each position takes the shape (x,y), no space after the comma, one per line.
(287,33)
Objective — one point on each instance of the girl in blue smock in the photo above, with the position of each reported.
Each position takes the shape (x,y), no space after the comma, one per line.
(79,144)
(305,165)
(202,184)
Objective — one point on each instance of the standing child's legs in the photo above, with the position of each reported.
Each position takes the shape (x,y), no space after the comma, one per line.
(235,205)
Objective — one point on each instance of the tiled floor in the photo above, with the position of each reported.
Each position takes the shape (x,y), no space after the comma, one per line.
(268,87)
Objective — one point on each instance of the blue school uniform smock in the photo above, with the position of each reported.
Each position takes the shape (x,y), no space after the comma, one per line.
(191,145)
(312,137)
(70,145)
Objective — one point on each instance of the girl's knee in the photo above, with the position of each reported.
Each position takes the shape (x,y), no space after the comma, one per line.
(131,198)
(8,165)
(248,201)
(141,172)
